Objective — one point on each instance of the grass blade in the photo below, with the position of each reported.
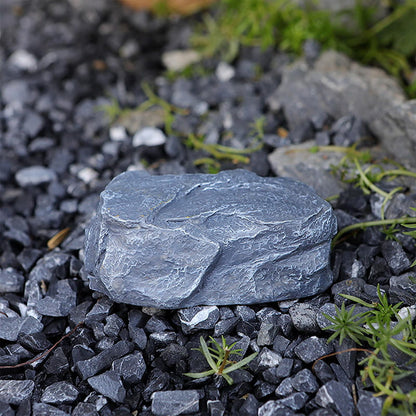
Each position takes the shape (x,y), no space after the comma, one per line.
(240,364)
(207,354)
(200,375)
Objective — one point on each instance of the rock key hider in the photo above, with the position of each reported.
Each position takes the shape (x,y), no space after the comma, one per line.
(177,241)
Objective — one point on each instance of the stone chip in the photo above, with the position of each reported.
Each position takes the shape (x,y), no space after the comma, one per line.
(16,391)
(176,241)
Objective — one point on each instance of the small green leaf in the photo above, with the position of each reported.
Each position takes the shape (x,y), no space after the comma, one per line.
(200,375)
(207,354)
(358,300)
(228,378)
(240,364)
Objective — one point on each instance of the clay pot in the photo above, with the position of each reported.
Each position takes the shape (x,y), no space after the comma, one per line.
(175,6)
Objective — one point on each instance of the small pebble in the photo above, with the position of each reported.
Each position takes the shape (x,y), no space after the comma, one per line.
(149,136)
(35,175)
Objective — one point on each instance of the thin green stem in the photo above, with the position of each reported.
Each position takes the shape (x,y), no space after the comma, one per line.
(396,172)
(367,181)
(213,150)
(366,224)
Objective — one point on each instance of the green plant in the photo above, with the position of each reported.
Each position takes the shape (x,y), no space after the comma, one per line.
(366,179)
(113,111)
(257,128)
(218,359)
(346,324)
(261,23)
(387,41)
(170,110)
(218,152)
(384,331)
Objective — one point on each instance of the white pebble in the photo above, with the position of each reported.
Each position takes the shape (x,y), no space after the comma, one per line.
(224,72)
(406,311)
(118,134)
(23,60)
(87,175)
(179,60)
(149,136)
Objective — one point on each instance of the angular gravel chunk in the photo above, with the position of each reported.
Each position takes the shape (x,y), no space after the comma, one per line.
(109,385)
(252,240)
(271,408)
(395,256)
(15,391)
(305,381)
(312,348)
(11,280)
(335,395)
(369,405)
(196,318)
(177,402)
(149,136)
(43,409)
(59,393)
(59,304)
(92,366)
(130,368)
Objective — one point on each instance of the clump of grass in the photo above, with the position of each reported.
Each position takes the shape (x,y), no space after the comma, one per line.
(382,331)
(388,42)
(218,358)
(350,170)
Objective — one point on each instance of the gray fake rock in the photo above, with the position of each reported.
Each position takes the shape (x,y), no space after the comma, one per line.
(337,86)
(232,238)
(312,168)
(397,131)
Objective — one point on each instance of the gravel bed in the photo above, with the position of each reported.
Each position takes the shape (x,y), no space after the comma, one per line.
(61,61)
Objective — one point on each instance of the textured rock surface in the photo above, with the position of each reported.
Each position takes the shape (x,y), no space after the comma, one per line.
(337,86)
(172,403)
(15,391)
(314,169)
(232,238)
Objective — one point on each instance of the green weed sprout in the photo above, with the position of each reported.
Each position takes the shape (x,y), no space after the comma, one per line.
(218,359)
(346,324)
(112,111)
(383,330)
(366,180)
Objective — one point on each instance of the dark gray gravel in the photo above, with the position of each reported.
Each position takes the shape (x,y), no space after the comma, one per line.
(61,61)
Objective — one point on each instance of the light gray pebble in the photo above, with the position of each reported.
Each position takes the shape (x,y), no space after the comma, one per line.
(35,175)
